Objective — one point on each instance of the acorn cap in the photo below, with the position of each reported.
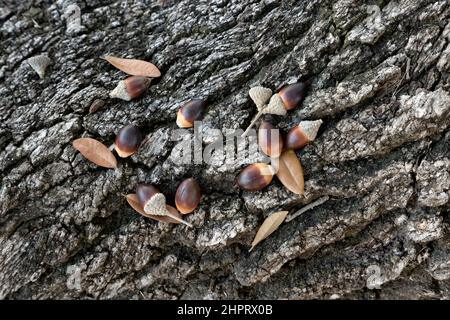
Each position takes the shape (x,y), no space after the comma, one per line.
(260,96)
(310,128)
(275,106)
(39,64)
(156,205)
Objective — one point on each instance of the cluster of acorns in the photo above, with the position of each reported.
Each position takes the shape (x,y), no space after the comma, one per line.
(259,175)
(150,201)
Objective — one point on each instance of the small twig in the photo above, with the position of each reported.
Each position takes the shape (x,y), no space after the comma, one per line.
(316,203)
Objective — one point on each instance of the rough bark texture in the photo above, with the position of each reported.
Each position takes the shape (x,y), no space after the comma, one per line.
(379,79)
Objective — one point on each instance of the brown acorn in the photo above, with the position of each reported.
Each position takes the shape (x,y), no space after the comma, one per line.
(255,177)
(300,135)
(154,203)
(188,195)
(128,141)
(271,147)
(130,88)
(293,95)
(189,112)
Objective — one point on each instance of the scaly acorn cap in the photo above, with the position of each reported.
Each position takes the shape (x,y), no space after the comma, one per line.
(275,106)
(260,96)
(310,128)
(156,205)
(39,64)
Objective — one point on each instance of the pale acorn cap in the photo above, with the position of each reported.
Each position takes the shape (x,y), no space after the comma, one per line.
(156,205)
(120,91)
(310,128)
(275,106)
(39,64)
(260,96)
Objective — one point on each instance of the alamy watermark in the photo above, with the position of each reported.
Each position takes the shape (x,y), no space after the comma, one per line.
(227,147)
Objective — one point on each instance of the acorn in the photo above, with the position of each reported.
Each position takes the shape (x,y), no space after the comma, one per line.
(189,112)
(130,88)
(128,141)
(188,195)
(300,135)
(154,202)
(255,177)
(293,95)
(271,147)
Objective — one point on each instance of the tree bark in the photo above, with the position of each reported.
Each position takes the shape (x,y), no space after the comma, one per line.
(378,76)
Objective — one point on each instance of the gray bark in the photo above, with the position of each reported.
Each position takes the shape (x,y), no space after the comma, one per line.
(379,79)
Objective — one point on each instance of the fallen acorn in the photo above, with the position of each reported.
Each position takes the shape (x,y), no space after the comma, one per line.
(190,112)
(134,203)
(130,88)
(292,95)
(188,195)
(154,202)
(255,177)
(300,135)
(127,141)
(270,140)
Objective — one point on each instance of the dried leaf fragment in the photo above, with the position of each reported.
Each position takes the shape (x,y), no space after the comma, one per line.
(269,225)
(290,172)
(96,152)
(134,67)
(134,203)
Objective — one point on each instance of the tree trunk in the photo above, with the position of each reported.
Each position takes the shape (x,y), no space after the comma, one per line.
(378,77)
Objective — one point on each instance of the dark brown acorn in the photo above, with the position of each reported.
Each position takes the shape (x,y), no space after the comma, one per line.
(130,88)
(255,177)
(302,134)
(128,141)
(189,112)
(145,192)
(293,95)
(188,195)
(265,134)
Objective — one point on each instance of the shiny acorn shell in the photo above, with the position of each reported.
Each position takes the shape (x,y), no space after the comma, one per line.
(128,140)
(255,177)
(188,195)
